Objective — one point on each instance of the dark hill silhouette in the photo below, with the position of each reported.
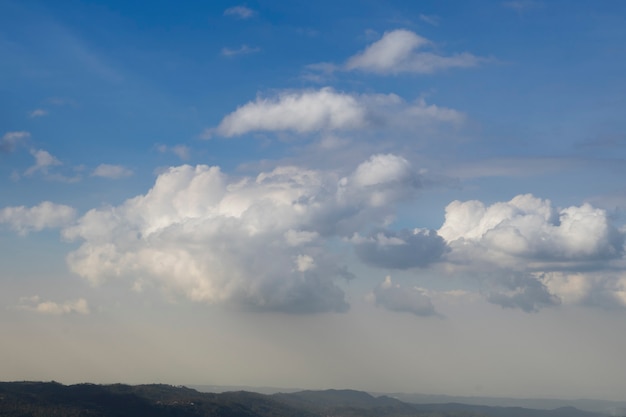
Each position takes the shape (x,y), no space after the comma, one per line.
(50,399)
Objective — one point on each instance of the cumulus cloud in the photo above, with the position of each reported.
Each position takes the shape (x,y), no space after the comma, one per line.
(327,110)
(398,51)
(527,228)
(240,12)
(255,242)
(35,304)
(10,140)
(532,255)
(242,50)
(604,289)
(402,300)
(400,250)
(113,172)
(301,112)
(45,215)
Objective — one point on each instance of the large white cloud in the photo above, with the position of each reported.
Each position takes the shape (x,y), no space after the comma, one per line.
(529,254)
(42,216)
(530,229)
(325,109)
(398,51)
(258,243)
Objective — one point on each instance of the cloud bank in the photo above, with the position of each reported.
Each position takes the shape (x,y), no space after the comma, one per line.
(254,243)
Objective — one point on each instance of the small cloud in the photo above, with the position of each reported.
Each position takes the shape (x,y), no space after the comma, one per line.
(10,140)
(371,34)
(38,113)
(430,19)
(307,32)
(46,215)
(35,305)
(325,110)
(43,161)
(113,172)
(398,51)
(521,6)
(182,151)
(242,50)
(61,101)
(395,298)
(240,12)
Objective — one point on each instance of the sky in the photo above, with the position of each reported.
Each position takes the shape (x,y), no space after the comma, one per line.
(392,196)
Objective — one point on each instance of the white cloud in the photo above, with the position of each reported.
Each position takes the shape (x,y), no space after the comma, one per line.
(327,110)
(241,12)
(242,50)
(42,216)
(430,19)
(530,229)
(386,177)
(393,297)
(529,254)
(43,161)
(111,171)
(398,51)
(255,242)
(301,112)
(10,140)
(35,304)
(38,113)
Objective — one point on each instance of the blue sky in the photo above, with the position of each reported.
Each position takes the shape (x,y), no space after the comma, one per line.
(297,181)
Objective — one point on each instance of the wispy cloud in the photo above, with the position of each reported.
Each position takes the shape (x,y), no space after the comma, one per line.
(521,6)
(10,140)
(113,172)
(240,12)
(43,161)
(242,50)
(38,113)
(430,19)
(181,151)
(36,305)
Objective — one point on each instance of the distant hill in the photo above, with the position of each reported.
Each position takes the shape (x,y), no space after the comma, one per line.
(49,399)
(600,406)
